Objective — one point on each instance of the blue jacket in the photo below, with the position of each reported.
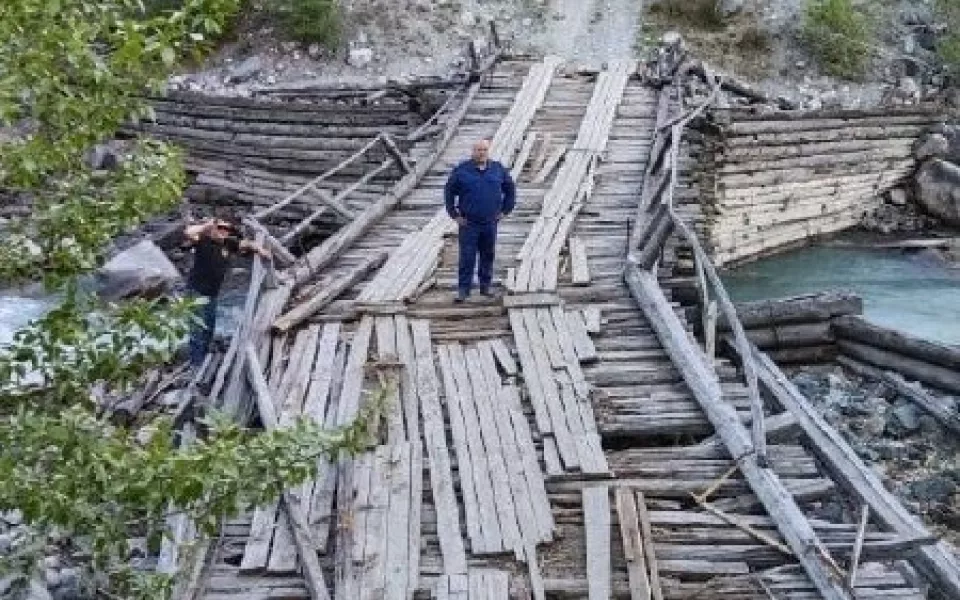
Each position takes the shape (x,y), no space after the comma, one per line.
(482,195)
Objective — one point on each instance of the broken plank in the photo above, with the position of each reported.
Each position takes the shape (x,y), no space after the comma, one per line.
(632,544)
(580,271)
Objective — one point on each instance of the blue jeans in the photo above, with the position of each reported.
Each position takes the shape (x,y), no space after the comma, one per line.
(201,333)
(477,248)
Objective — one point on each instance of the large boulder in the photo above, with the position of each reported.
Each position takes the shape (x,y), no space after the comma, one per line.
(938,190)
(141,270)
(952,134)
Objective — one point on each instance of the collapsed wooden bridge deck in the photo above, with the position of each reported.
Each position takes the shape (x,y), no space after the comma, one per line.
(547,443)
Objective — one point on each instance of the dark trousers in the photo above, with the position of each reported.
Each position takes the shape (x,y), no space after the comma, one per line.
(201,332)
(478,242)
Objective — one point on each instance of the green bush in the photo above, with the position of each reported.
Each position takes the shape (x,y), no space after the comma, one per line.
(311,21)
(700,14)
(839,36)
(948,47)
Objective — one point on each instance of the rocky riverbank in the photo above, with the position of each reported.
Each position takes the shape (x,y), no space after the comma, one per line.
(916,458)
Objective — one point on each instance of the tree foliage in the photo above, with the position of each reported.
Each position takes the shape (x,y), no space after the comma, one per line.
(839,35)
(72,72)
(948,45)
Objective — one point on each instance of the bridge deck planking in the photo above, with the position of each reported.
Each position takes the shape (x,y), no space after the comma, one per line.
(653,407)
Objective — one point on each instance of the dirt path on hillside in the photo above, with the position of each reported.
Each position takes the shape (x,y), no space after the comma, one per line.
(590,31)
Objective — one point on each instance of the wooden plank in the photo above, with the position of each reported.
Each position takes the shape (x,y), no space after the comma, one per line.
(632,544)
(409,395)
(387,353)
(550,338)
(646,532)
(531,466)
(591,318)
(583,345)
(521,494)
(596,516)
(330,292)
(397,534)
(504,358)
(416,506)
(523,156)
(542,369)
(580,270)
(321,505)
(524,345)
(441,477)
(354,372)
(550,164)
(256,551)
(527,300)
(551,456)
(486,392)
(458,428)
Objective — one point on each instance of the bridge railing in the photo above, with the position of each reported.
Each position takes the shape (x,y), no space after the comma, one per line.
(657,220)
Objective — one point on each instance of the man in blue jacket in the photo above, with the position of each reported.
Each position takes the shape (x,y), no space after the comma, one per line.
(478,194)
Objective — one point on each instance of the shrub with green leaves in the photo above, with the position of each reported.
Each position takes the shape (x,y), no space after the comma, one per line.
(71,73)
(311,21)
(840,37)
(948,46)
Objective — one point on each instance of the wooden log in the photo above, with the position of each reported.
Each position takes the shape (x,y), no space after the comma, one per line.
(805,355)
(919,370)
(916,394)
(808,308)
(859,330)
(938,563)
(300,313)
(775,498)
(333,202)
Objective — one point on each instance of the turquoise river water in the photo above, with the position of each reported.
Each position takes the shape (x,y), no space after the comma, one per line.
(914,292)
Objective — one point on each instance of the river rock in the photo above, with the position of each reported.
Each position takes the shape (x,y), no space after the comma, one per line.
(897,196)
(952,133)
(938,190)
(38,591)
(360,57)
(141,270)
(246,70)
(904,419)
(932,145)
(937,488)
(102,156)
(729,8)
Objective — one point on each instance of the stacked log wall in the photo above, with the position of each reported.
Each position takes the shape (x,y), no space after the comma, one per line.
(254,152)
(775,180)
(797,330)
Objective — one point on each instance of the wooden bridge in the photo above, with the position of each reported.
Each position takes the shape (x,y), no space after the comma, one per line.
(569,439)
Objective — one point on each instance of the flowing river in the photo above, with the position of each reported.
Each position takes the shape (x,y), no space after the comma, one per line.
(915,292)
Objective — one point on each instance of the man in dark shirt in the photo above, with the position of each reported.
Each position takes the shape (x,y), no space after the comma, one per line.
(478,194)
(215,242)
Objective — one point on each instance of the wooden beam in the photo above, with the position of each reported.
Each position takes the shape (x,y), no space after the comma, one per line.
(300,313)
